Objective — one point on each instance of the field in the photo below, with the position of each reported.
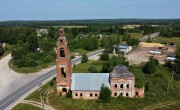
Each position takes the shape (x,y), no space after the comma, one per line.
(130,26)
(27,70)
(25,107)
(156,95)
(175,40)
(74,26)
(136,35)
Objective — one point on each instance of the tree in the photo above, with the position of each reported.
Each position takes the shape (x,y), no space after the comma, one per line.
(92,69)
(47,45)
(105,68)
(105,94)
(105,57)
(151,66)
(84,58)
(33,43)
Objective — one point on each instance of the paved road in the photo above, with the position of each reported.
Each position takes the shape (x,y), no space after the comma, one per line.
(27,87)
(145,38)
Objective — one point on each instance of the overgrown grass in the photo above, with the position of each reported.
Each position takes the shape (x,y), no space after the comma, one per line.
(175,40)
(25,107)
(80,51)
(27,70)
(136,35)
(83,67)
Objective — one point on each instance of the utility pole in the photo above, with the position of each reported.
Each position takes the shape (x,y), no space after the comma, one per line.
(170,81)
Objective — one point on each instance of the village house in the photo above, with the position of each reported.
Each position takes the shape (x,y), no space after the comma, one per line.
(87,85)
(40,32)
(123,48)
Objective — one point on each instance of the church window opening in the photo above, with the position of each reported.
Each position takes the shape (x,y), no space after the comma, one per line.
(137,93)
(91,95)
(95,95)
(115,94)
(76,94)
(127,94)
(121,93)
(127,85)
(121,86)
(81,95)
(64,90)
(63,73)
(115,85)
(62,54)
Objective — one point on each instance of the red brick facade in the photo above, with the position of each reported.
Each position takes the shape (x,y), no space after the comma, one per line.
(63,65)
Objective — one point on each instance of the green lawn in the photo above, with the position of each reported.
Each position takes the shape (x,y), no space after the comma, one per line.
(25,107)
(156,86)
(83,67)
(29,69)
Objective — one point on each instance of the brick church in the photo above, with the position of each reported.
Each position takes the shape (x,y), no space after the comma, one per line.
(87,85)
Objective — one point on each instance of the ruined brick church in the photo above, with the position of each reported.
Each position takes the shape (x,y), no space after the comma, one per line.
(87,85)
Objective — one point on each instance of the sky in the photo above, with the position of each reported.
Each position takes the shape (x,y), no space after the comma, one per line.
(88,9)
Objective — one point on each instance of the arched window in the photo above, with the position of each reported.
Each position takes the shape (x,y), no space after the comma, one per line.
(62,54)
(121,94)
(121,86)
(127,85)
(63,73)
(115,85)
(127,94)
(64,90)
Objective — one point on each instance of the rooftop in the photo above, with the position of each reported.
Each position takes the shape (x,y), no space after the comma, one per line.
(121,71)
(89,81)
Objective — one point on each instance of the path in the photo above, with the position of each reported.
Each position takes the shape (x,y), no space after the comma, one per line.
(160,105)
(37,104)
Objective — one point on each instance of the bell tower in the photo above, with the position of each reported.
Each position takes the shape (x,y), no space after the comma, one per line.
(63,65)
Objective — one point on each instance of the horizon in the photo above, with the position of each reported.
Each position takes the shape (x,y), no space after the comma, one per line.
(42,10)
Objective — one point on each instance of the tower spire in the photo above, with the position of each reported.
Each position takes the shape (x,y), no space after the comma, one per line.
(61,31)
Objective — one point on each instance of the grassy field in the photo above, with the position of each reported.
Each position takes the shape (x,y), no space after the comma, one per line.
(175,40)
(130,26)
(136,35)
(83,67)
(27,70)
(155,92)
(25,107)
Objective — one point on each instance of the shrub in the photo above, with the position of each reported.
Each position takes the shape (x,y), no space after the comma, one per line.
(105,94)
(92,69)
(51,83)
(69,94)
(168,64)
(84,58)
(149,68)
(32,63)
(54,78)
(105,57)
